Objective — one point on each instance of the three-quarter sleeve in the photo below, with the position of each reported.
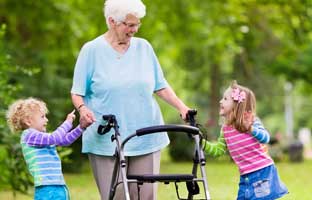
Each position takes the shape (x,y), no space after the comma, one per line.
(82,71)
(160,80)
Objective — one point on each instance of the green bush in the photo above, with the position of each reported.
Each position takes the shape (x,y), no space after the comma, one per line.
(13,168)
(181,147)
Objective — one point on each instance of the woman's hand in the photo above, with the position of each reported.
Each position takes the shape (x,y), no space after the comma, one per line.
(86,117)
(183,112)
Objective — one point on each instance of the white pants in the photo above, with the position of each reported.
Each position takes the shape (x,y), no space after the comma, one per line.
(102,167)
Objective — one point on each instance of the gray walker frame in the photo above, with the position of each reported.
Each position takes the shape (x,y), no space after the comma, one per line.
(120,165)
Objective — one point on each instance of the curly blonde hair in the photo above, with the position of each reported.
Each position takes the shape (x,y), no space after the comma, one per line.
(21,110)
(248,105)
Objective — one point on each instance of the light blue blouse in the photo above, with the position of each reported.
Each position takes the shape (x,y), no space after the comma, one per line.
(124,86)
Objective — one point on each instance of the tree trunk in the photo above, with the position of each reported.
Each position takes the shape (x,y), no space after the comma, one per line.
(213,115)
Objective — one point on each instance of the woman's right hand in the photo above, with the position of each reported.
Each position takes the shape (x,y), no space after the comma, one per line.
(86,117)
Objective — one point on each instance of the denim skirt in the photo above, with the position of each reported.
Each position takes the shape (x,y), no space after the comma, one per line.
(263,184)
(51,192)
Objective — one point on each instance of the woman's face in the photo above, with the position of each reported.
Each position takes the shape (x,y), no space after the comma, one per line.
(127,28)
(226,103)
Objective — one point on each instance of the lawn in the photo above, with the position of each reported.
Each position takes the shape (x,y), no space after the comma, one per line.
(222,179)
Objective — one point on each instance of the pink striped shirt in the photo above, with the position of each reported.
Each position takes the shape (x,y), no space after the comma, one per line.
(246,151)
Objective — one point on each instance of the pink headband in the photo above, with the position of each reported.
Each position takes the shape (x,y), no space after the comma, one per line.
(238,95)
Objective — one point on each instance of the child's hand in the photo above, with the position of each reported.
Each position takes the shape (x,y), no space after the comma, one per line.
(71,116)
(248,120)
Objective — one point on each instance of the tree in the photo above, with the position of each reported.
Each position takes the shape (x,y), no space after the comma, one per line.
(13,168)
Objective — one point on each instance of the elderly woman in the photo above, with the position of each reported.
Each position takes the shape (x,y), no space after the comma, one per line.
(118,74)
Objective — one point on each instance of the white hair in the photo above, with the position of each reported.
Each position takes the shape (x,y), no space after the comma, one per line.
(119,9)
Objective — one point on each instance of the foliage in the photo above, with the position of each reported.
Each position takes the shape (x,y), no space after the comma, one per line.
(15,173)
(181,147)
(50,38)
(202,46)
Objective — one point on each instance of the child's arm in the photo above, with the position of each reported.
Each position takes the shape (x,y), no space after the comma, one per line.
(216,149)
(259,132)
(60,136)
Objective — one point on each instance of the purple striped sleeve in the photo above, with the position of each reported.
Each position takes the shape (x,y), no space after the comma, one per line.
(72,136)
(61,136)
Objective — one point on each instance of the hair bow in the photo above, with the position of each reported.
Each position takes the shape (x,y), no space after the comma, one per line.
(238,95)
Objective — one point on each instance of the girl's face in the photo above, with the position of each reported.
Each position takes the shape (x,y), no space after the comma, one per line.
(38,121)
(226,103)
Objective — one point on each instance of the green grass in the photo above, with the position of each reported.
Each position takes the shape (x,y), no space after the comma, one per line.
(222,179)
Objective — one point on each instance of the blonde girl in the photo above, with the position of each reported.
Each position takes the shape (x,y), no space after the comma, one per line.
(244,136)
(39,147)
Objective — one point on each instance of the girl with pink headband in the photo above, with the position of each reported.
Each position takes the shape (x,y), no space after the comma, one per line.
(244,136)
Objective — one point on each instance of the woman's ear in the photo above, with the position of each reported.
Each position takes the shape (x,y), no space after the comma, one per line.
(111,22)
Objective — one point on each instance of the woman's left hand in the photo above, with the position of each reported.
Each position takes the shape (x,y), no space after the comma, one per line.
(183,112)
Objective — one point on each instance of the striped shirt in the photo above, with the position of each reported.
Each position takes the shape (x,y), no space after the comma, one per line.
(39,151)
(246,149)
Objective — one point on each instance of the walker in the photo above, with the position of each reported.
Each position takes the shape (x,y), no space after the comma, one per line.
(120,166)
